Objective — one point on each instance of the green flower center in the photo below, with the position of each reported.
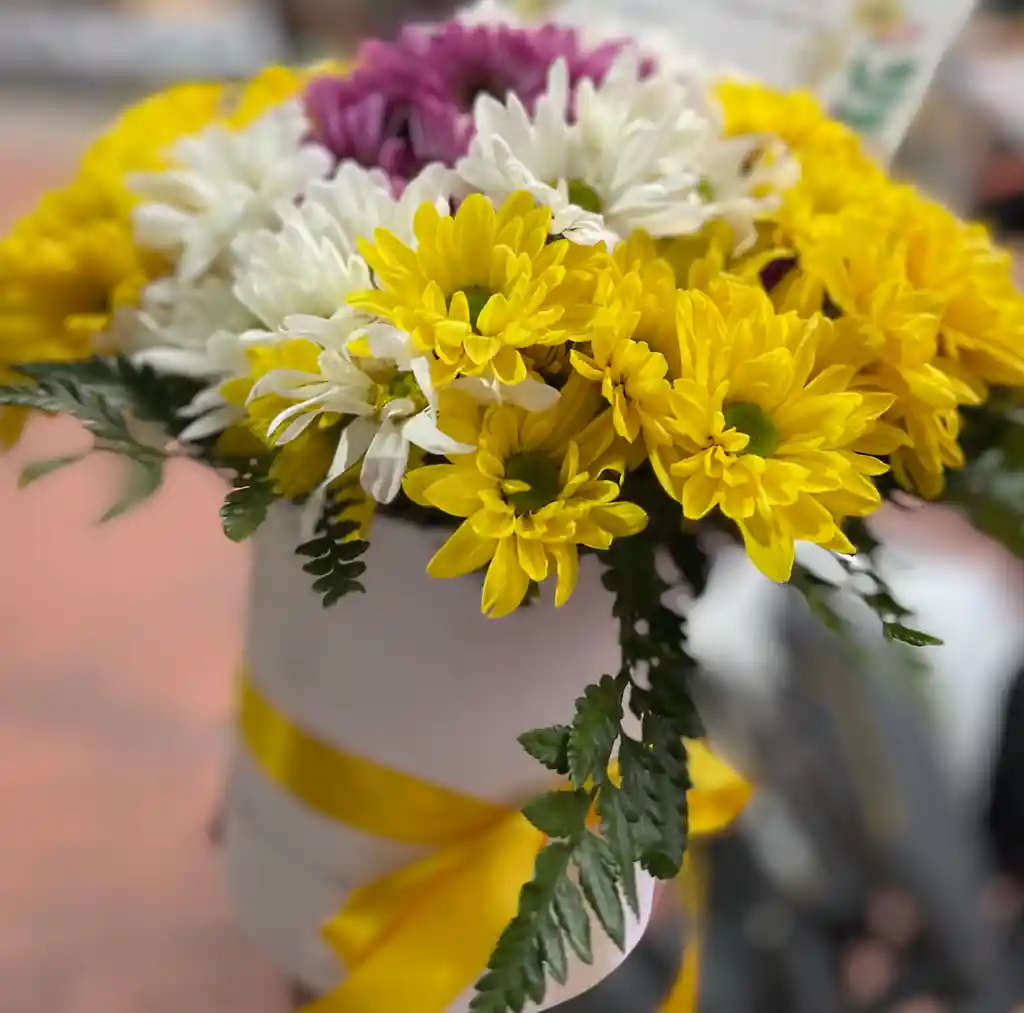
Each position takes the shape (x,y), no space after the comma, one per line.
(477,298)
(705,190)
(398,385)
(752,421)
(583,195)
(403,385)
(540,473)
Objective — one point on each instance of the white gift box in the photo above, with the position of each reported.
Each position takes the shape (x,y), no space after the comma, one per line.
(410,675)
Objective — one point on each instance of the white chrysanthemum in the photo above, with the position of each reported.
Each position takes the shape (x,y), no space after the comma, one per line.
(222,182)
(178,322)
(639,153)
(742,178)
(295,279)
(533,395)
(195,330)
(620,166)
(388,397)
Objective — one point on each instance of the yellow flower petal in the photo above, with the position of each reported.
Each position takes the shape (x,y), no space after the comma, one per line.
(533,558)
(418,482)
(464,552)
(567,566)
(457,492)
(480,287)
(772,553)
(506,583)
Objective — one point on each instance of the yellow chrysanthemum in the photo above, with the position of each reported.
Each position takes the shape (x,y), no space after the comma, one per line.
(653,289)
(881,272)
(760,435)
(69,264)
(301,464)
(981,325)
(531,494)
(481,287)
(625,355)
(835,170)
(699,260)
(796,117)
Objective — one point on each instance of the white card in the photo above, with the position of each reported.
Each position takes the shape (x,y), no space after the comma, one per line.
(870,60)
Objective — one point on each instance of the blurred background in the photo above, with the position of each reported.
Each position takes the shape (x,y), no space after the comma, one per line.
(117,643)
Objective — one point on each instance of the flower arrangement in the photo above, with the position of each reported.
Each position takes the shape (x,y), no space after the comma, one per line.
(561,299)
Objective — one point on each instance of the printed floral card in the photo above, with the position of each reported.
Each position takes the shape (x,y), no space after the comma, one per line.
(870,60)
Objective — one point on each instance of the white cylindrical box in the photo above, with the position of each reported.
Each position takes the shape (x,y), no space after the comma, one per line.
(410,675)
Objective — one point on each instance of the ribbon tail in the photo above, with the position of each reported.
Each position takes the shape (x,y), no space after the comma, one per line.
(685,993)
(419,953)
(719,794)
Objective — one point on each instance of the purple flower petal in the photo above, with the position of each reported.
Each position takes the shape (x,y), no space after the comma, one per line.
(409,103)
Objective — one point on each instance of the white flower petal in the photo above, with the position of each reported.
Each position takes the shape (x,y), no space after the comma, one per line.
(531,394)
(298,415)
(399,407)
(643,144)
(390,344)
(223,182)
(355,440)
(385,463)
(420,368)
(176,361)
(212,422)
(280,381)
(421,430)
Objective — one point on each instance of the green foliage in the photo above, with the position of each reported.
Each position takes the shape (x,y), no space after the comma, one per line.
(595,729)
(40,469)
(551,912)
(617,826)
(598,874)
(335,560)
(559,813)
(116,402)
(144,477)
(870,587)
(912,638)
(656,779)
(101,392)
(245,507)
(990,488)
(549,746)
(643,821)
(882,599)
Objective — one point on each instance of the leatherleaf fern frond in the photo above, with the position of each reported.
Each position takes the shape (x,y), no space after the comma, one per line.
(337,548)
(127,409)
(641,810)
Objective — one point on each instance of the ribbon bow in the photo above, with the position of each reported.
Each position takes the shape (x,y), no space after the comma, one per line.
(418,938)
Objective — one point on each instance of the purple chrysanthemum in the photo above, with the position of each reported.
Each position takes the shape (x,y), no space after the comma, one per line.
(460,61)
(387,118)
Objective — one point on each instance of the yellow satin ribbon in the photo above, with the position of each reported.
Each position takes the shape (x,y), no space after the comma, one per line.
(415,939)
(723,795)
(693,890)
